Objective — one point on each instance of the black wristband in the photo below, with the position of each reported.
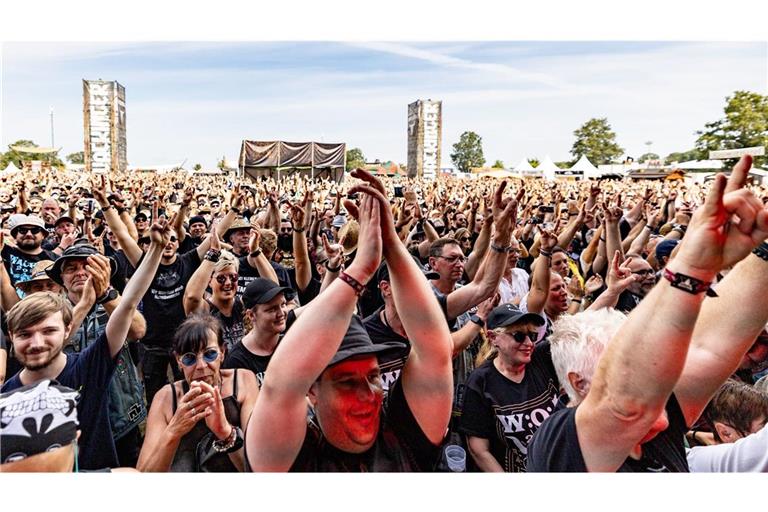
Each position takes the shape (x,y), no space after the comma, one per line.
(545,253)
(298,230)
(761,251)
(212,256)
(332,269)
(236,210)
(498,248)
(477,320)
(255,254)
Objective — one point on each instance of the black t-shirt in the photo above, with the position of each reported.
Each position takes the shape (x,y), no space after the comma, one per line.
(232,326)
(163,304)
(400,446)
(391,363)
(555,446)
(627,301)
(247,273)
(508,413)
(20,264)
(89,372)
(240,357)
(188,244)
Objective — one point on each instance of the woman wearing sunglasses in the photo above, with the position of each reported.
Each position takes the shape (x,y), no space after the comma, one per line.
(219,271)
(509,395)
(195,425)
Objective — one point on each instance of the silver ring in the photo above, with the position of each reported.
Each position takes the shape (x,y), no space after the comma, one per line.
(193,411)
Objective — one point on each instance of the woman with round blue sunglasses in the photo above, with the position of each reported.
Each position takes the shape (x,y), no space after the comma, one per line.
(195,425)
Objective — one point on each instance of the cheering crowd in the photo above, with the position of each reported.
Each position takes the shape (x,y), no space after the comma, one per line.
(211,324)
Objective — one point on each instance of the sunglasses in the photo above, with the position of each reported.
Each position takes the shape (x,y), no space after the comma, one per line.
(464,239)
(223,279)
(454,259)
(520,336)
(34,230)
(209,356)
(173,239)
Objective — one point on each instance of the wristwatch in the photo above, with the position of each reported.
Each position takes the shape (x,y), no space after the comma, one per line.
(477,320)
(109,296)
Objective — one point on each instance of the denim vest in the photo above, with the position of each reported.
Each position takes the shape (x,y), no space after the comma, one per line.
(125,392)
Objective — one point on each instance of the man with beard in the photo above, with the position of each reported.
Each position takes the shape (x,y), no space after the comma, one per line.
(197,229)
(39,326)
(28,231)
(64,235)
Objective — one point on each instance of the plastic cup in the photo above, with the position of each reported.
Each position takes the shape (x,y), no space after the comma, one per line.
(456,458)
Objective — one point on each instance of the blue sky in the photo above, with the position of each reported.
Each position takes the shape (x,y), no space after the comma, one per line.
(198,100)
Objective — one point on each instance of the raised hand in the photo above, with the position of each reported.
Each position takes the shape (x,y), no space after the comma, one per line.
(215,419)
(215,242)
(594,284)
(99,191)
(619,275)
(160,233)
(369,247)
(333,252)
(99,271)
(731,223)
(193,407)
(548,240)
(255,238)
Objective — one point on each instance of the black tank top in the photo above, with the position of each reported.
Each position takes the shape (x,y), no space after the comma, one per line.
(189,455)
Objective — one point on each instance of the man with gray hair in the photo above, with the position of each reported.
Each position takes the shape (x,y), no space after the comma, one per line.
(632,402)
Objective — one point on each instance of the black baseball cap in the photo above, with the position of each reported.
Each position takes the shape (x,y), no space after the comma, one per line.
(508,314)
(261,291)
(357,342)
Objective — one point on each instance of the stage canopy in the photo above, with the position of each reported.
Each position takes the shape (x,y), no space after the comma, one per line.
(279,158)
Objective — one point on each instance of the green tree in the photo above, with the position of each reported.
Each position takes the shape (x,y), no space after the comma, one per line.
(745,125)
(534,162)
(355,159)
(221,164)
(468,152)
(498,164)
(596,140)
(683,156)
(197,167)
(648,156)
(17,158)
(76,158)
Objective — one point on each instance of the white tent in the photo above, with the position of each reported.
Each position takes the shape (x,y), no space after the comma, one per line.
(523,166)
(585,168)
(699,164)
(548,168)
(10,170)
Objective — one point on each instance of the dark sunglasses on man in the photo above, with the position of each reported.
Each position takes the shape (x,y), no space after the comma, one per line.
(23,230)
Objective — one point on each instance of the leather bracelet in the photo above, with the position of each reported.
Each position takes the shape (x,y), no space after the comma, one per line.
(105,208)
(298,230)
(761,251)
(255,254)
(236,210)
(688,284)
(212,256)
(500,249)
(545,253)
(354,283)
(332,269)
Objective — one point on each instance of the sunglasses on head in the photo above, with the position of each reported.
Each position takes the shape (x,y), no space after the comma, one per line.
(24,230)
(209,356)
(520,336)
(223,279)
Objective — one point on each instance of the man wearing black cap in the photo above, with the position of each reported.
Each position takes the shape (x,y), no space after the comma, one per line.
(328,356)
(265,308)
(28,232)
(39,326)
